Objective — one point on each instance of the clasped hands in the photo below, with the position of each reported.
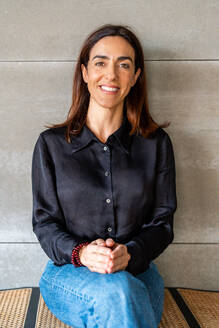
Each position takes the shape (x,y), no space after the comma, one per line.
(104,256)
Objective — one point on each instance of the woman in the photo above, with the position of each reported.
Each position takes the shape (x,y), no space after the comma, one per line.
(104,192)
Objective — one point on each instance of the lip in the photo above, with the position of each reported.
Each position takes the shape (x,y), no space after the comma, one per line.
(109,86)
(107,91)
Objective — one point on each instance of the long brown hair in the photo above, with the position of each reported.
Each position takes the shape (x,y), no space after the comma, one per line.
(136,101)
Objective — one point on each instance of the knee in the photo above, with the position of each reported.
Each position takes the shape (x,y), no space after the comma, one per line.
(121,285)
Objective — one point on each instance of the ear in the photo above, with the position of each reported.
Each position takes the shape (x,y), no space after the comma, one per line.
(136,77)
(84,73)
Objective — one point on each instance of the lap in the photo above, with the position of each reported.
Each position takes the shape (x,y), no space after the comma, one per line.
(83,280)
(88,284)
(84,291)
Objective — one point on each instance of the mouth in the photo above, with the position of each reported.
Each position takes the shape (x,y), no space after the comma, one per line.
(109,90)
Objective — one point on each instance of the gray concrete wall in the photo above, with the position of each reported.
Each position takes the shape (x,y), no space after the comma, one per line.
(39,42)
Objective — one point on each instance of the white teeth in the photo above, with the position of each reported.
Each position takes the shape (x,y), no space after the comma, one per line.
(108,88)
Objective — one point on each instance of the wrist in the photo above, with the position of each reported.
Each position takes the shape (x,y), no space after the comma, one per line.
(80,253)
(76,253)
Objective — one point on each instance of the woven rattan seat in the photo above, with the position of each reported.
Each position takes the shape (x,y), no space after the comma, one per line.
(183,308)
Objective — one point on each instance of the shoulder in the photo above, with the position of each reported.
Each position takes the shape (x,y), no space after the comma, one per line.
(52,136)
(52,140)
(157,137)
(53,133)
(162,137)
(157,142)
(165,145)
(160,134)
(165,141)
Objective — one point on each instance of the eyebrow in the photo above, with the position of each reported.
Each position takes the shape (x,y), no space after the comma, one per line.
(119,58)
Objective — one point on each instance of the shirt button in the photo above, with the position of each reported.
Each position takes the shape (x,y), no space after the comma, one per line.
(107,173)
(109,229)
(108,200)
(105,148)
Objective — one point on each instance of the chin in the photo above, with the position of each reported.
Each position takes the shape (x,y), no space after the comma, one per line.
(109,105)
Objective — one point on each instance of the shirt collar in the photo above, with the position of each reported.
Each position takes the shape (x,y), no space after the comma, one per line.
(121,135)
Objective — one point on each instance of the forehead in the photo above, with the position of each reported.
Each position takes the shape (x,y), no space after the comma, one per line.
(112,46)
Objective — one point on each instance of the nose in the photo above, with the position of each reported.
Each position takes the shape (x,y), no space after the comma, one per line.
(111,71)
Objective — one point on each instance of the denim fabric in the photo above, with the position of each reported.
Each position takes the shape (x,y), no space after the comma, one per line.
(82,298)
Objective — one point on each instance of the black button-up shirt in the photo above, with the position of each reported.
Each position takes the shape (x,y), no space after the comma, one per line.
(122,189)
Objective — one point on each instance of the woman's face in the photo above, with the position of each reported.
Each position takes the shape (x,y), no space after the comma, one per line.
(110,71)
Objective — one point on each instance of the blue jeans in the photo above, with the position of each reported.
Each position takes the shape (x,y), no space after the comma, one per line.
(82,298)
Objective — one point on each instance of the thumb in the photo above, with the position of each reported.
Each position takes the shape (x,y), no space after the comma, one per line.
(110,242)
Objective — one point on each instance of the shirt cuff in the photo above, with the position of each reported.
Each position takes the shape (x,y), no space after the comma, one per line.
(138,262)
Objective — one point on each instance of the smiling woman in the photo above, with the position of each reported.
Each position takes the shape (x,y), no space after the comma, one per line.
(104,193)
(109,80)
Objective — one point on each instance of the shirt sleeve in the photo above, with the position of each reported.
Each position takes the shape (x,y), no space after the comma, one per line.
(47,217)
(157,231)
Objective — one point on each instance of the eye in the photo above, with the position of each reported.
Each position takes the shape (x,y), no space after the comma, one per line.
(99,63)
(125,65)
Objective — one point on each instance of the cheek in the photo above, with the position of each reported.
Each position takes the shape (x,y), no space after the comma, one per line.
(128,84)
(94,75)
(128,79)
(93,83)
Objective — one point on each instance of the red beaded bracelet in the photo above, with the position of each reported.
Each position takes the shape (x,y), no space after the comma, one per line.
(75,254)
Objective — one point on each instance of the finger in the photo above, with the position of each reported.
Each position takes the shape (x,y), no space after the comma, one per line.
(119,262)
(100,241)
(110,242)
(99,266)
(118,251)
(96,254)
(117,266)
(101,250)
(99,262)
(97,269)
(100,258)
(94,242)
(114,268)
(97,241)
(114,262)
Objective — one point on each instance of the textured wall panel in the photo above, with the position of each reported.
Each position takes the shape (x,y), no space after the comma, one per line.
(26,270)
(191,266)
(33,94)
(186,93)
(41,30)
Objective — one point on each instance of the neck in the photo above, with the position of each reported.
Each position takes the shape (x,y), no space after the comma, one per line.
(104,121)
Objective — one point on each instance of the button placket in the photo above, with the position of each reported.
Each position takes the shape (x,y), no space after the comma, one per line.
(107,172)
(109,200)
(106,148)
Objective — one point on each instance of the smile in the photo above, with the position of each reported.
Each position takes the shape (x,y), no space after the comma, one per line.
(105,88)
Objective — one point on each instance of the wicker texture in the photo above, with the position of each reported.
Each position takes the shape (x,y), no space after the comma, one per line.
(203,305)
(13,307)
(172,316)
(46,319)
